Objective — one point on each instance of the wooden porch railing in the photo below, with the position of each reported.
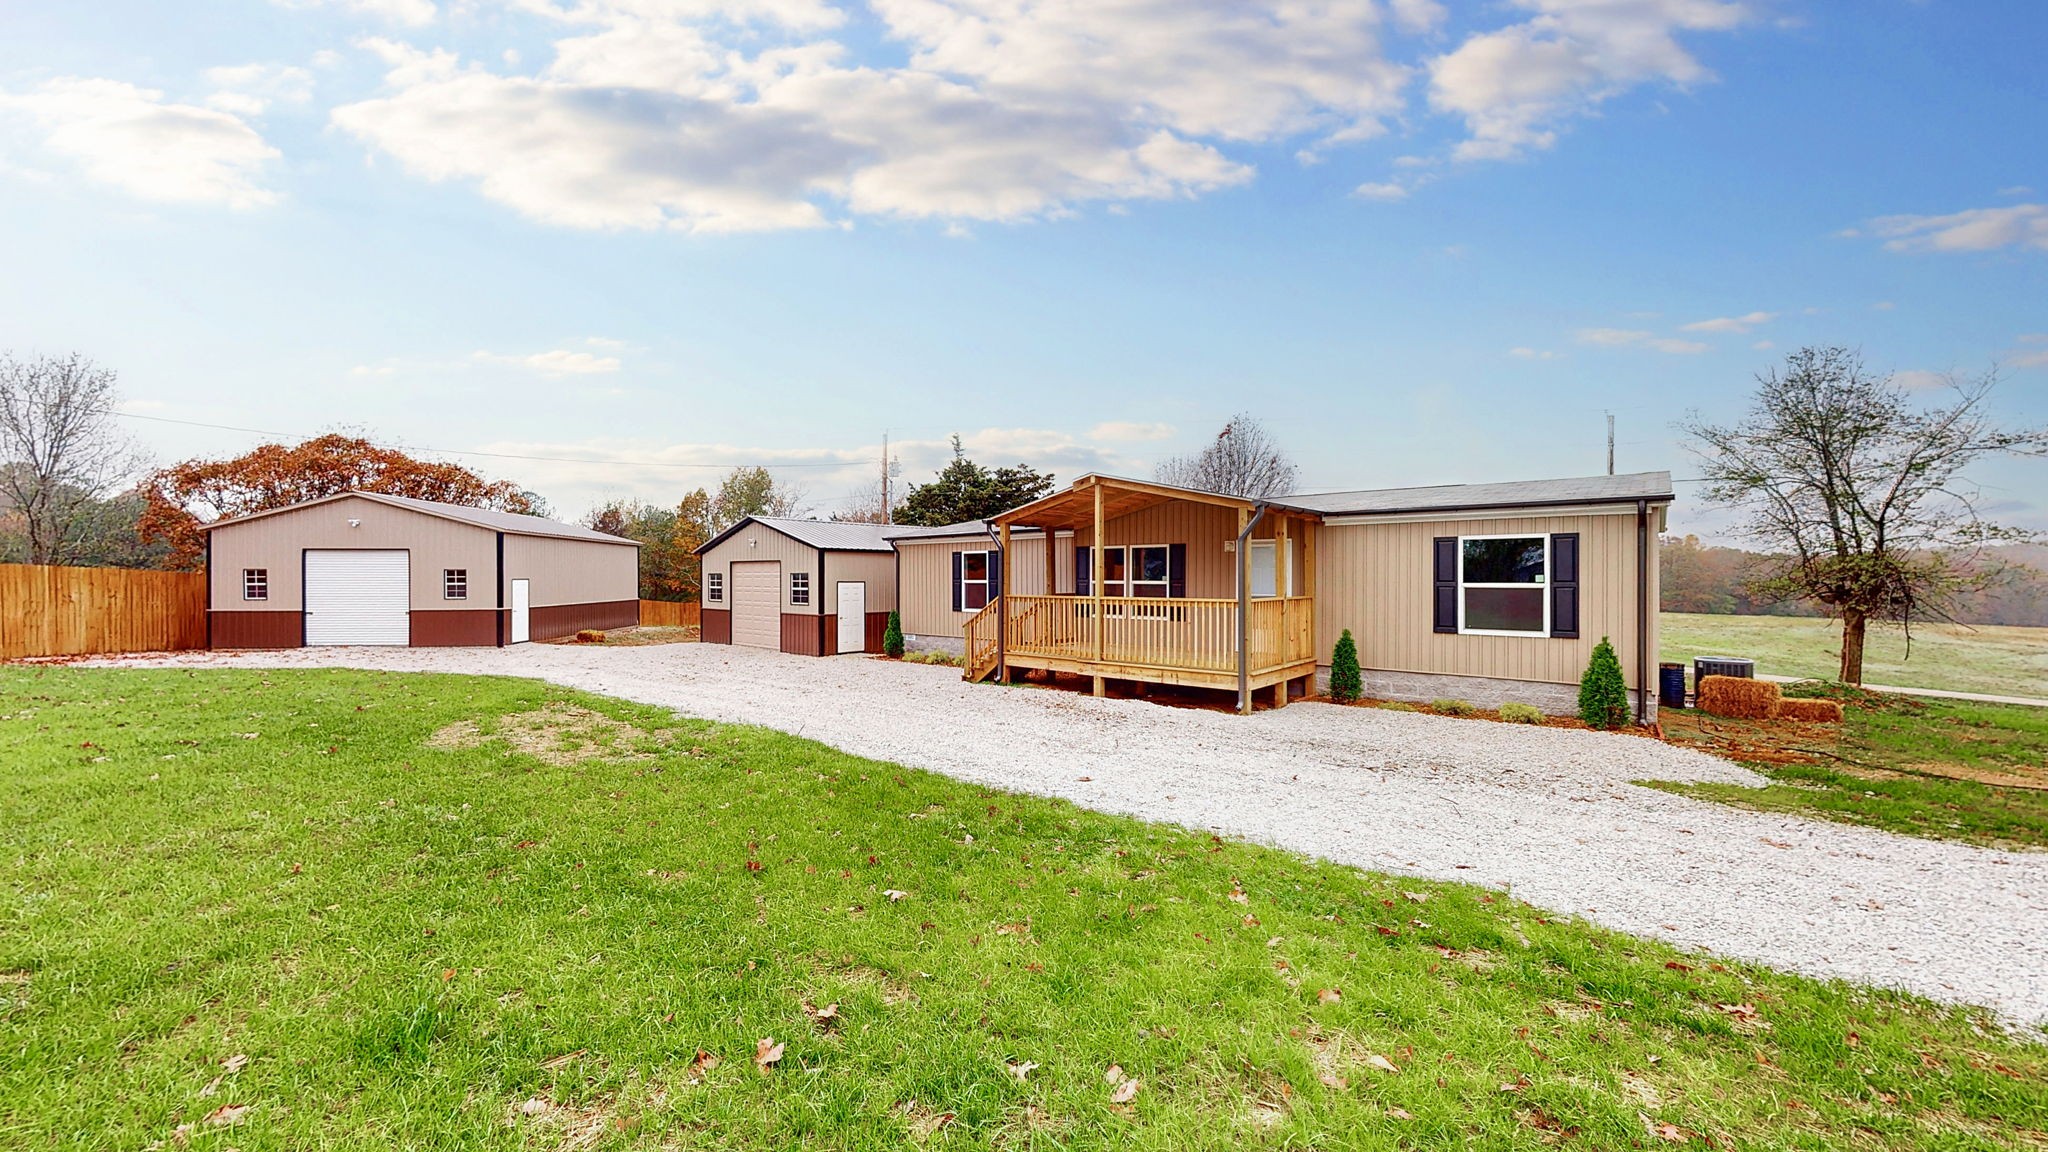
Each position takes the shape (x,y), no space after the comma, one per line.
(1183,634)
(982,646)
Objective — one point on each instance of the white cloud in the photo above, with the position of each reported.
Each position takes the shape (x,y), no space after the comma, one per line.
(1974,230)
(1532,354)
(1737,324)
(1387,192)
(1764,345)
(134,139)
(2034,338)
(413,13)
(2036,359)
(1515,85)
(1920,380)
(1125,430)
(1633,338)
(250,89)
(555,362)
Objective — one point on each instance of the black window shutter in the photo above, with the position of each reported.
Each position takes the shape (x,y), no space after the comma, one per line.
(995,575)
(956,582)
(1177,570)
(1084,570)
(1564,585)
(1446,580)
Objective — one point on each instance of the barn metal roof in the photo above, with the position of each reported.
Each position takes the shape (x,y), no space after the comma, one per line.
(510,523)
(1626,488)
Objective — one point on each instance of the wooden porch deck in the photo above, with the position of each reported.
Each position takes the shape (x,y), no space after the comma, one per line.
(1182,641)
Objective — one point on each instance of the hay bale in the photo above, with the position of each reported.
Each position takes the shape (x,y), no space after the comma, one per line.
(1738,698)
(1811,711)
(590,636)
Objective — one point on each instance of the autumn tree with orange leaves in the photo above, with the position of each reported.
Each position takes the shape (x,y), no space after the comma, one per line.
(182,498)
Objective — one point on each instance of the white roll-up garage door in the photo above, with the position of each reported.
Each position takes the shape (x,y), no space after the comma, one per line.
(358,597)
(757,604)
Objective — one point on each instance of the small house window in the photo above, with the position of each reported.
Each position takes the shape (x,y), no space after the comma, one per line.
(973,581)
(1113,570)
(1500,585)
(454,583)
(799,587)
(714,587)
(255,583)
(1148,568)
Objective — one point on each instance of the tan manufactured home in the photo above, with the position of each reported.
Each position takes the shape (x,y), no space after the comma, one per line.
(809,587)
(1484,592)
(365,568)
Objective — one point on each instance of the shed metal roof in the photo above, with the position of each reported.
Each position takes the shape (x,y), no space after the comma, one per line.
(510,523)
(831,535)
(1626,488)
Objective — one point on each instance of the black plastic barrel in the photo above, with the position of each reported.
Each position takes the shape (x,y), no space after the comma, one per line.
(1671,685)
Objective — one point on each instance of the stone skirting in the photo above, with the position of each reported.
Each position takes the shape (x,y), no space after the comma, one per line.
(1483,691)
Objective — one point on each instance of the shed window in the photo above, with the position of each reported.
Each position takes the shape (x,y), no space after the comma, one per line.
(973,581)
(714,587)
(255,583)
(454,583)
(1500,585)
(799,587)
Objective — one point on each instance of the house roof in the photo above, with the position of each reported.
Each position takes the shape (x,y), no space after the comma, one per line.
(831,535)
(1624,489)
(510,523)
(1074,507)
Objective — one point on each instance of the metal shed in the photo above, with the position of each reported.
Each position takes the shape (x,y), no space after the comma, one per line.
(809,587)
(365,568)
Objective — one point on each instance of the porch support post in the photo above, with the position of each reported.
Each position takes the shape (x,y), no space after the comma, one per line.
(1052,564)
(1101,565)
(1003,608)
(1246,521)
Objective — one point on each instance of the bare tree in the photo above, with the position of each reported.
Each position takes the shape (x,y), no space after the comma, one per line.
(1858,493)
(60,454)
(1243,460)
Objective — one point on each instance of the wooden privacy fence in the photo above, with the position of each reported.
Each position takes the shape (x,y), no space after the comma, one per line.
(80,611)
(667,614)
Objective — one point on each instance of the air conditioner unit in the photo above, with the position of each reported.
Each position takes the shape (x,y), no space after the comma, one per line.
(1735,666)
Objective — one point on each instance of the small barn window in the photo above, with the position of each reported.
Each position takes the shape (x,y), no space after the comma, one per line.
(714,587)
(799,587)
(255,583)
(1500,585)
(455,583)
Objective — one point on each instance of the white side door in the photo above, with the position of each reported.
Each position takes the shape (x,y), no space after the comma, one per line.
(358,597)
(1265,569)
(522,602)
(853,616)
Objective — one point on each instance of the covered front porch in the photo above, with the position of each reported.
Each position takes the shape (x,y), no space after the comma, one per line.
(1167,586)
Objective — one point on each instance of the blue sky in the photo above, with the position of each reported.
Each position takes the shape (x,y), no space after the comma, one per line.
(1426,242)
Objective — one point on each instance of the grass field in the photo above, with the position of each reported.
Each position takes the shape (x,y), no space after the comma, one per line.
(2000,661)
(270,910)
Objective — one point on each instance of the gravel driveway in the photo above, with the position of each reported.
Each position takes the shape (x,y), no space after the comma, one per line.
(1548,813)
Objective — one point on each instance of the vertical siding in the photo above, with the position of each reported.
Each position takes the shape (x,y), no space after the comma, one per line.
(759,542)
(560,572)
(875,569)
(1209,531)
(1375,579)
(276,543)
(924,590)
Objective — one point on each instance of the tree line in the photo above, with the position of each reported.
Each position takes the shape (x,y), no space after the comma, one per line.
(1723,581)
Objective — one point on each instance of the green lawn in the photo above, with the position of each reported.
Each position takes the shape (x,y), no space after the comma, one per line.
(335,909)
(2000,661)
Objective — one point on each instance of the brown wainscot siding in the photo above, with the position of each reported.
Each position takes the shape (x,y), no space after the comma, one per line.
(877,627)
(800,633)
(228,629)
(716,626)
(455,628)
(552,621)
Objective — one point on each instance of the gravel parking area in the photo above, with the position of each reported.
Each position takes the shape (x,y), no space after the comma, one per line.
(1549,814)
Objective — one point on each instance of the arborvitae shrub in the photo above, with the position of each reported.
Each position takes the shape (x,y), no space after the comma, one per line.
(1603,694)
(1344,679)
(892,636)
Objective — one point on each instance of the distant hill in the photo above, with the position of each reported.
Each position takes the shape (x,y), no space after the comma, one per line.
(1705,578)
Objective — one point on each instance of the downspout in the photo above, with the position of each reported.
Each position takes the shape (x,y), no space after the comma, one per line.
(818,602)
(1642,611)
(1002,613)
(1244,610)
(207,565)
(498,613)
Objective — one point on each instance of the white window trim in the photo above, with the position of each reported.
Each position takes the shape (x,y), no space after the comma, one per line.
(963,554)
(714,587)
(448,579)
(259,574)
(1543,586)
(806,589)
(1131,582)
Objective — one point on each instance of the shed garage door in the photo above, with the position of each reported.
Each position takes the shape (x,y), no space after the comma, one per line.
(757,604)
(358,597)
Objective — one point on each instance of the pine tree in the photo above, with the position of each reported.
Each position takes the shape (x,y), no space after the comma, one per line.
(892,636)
(1603,693)
(1344,679)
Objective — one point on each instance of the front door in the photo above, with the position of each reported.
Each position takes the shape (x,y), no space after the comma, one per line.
(522,602)
(853,616)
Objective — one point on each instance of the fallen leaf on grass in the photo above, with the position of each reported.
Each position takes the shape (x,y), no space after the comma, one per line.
(212,1086)
(1020,1071)
(1739,1011)
(1115,1074)
(1669,1133)
(1329,996)
(1332,1080)
(1375,1060)
(1126,1092)
(1418,897)
(827,1016)
(234,1064)
(1400,1114)
(766,1052)
(227,1114)
(554,1062)
(704,1063)
(894,895)
(533,1106)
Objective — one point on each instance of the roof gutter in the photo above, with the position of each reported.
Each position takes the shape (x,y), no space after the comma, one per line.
(1244,610)
(1508,507)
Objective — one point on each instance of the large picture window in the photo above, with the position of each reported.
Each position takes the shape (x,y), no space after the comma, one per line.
(973,581)
(1501,587)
